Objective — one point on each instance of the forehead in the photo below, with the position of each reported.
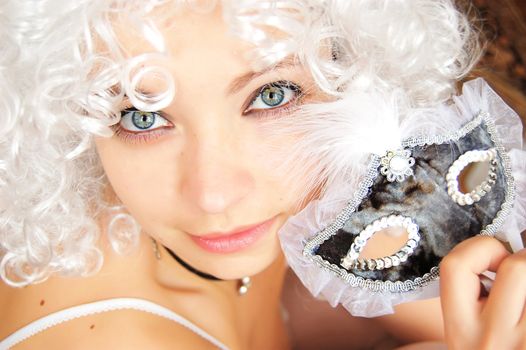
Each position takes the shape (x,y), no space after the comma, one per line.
(182,33)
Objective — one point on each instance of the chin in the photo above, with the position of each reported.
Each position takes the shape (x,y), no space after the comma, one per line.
(242,264)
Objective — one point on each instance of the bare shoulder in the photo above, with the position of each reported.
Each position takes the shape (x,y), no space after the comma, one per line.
(416,321)
(311,320)
(315,324)
(122,329)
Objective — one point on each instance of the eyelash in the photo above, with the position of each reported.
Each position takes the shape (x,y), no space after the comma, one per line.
(278,110)
(140,136)
(137,138)
(294,93)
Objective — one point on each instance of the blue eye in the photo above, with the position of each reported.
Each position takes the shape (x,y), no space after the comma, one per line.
(274,95)
(136,121)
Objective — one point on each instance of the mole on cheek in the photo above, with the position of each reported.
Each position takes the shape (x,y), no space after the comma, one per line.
(92,326)
(42,302)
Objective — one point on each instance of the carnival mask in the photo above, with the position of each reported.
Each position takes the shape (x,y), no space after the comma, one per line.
(415,188)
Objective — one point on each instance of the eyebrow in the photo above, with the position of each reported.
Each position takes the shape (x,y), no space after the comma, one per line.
(240,82)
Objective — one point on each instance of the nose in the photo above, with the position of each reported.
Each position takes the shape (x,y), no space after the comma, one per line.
(215,177)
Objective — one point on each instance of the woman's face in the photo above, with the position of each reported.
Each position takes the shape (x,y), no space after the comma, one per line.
(198,175)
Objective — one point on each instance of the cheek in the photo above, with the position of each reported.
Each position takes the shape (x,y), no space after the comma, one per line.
(140,178)
(286,179)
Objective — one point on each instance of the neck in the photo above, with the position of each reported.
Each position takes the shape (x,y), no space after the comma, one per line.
(254,317)
(261,309)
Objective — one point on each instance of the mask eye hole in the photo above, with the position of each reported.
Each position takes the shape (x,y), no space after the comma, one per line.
(473,175)
(385,242)
(354,259)
(462,168)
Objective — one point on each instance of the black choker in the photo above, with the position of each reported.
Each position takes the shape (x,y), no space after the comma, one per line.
(191,268)
(243,284)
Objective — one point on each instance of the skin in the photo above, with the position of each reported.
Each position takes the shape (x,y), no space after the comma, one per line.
(209,172)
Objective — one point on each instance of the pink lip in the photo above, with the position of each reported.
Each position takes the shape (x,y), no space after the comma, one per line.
(233,241)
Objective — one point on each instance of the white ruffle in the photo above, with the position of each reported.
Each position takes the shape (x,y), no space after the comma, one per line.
(516,222)
(476,96)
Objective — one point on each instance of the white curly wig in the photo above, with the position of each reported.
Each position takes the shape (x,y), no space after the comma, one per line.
(63,73)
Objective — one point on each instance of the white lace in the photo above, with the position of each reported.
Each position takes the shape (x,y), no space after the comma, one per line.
(98,307)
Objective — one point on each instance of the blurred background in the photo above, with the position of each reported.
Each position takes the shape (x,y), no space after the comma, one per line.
(504,63)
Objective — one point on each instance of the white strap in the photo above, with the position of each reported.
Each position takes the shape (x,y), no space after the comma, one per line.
(99,307)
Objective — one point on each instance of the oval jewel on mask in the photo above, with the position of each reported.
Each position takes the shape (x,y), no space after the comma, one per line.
(352,259)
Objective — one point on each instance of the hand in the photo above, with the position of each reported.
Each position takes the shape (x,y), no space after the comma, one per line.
(475,321)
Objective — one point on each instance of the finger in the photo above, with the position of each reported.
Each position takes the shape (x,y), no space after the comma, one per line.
(460,284)
(505,304)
